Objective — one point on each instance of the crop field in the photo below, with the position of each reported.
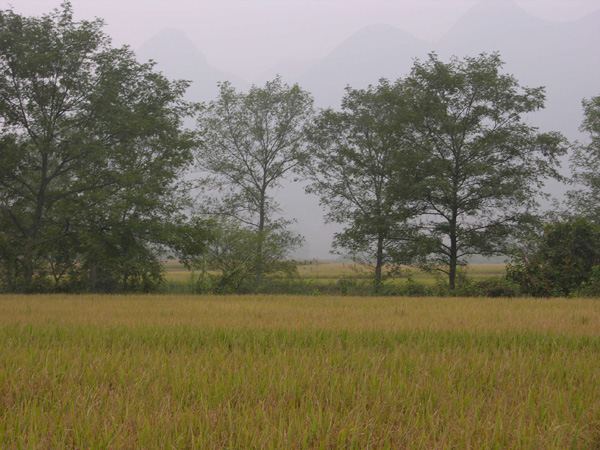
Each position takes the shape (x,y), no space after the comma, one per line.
(323,272)
(291,372)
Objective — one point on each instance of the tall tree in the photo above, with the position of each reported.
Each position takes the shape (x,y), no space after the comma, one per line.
(364,173)
(585,163)
(251,141)
(91,143)
(486,164)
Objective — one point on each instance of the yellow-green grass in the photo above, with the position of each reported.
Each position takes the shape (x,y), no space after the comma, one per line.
(291,372)
(326,271)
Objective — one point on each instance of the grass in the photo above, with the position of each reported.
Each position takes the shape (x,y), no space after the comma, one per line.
(333,270)
(327,272)
(298,372)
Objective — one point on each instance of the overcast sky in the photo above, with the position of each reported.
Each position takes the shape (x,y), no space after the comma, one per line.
(247,37)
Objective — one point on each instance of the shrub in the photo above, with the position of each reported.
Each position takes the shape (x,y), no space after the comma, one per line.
(591,287)
(562,260)
(498,287)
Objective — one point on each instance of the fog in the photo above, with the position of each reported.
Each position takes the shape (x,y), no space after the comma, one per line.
(248,37)
(326,44)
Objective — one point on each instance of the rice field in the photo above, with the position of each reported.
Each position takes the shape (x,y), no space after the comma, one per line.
(279,372)
(323,272)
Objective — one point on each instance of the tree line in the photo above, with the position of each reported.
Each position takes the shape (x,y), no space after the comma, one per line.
(427,170)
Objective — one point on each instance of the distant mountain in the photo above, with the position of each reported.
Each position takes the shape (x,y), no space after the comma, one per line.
(288,70)
(375,52)
(179,58)
(490,22)
(537,52)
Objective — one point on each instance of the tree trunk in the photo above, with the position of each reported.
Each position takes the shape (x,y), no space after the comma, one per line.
(261,238)
(11,272)
(453,260)
(32,234)
(93,277)
(28,263)
(379,263)
(452,269)
(453,232)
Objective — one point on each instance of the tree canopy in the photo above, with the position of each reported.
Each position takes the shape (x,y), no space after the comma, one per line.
(360,158)
(91,148)
(585,162)
(564,257)
(486,164)
(250,142)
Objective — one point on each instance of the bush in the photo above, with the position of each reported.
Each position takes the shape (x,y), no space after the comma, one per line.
(563,259)
(498,287)
(591,287)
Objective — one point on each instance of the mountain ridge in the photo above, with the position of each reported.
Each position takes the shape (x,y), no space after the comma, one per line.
(176,55)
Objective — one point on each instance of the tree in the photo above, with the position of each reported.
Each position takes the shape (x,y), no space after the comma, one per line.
(231,252)
(563,258)
(486,164)
(91,144)
(585,163)
(360,159)
(251,141)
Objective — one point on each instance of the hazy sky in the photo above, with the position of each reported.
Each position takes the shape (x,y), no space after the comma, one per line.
(247,37)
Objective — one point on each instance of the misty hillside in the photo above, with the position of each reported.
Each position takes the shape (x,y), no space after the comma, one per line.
(536,51)
(179,58)
(377,51)
(493,20)
(288,69)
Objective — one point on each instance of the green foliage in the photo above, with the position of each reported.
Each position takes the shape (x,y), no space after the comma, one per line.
(117,260)
(564,259)
(250,143)
(585,163)
(91,150)
(486,166)
(498,287)
(189,240)
(591,287)
(436,167)
(358,154)
(230,256)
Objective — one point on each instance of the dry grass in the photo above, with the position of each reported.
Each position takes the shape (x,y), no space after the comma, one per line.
(298,372)
(385,314)
(324,271)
